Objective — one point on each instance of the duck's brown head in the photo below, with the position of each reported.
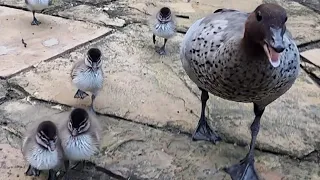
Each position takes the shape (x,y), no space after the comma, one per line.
(265,27)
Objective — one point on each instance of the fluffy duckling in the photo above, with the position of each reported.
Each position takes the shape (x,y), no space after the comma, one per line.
(37,5)
(42,150)
(80,136)
(163,25)
(87,75)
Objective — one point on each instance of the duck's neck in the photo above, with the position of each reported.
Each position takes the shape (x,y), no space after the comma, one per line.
(251,48)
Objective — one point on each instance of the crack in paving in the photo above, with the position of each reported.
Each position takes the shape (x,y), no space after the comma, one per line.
(172,129)
(307,5)
(68,51)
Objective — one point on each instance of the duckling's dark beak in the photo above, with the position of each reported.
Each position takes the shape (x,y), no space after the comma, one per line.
(274,46)
(74,132)
(94,66)
(52,146)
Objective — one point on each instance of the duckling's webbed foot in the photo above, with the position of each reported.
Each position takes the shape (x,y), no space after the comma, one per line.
(32,171)
(244,170)
(35,21)
(203,131)
(52,175)
(162,50)
(80,94)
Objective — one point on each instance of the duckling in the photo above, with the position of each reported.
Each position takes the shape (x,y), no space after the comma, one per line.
(80,136)
(163,24)
(87,75)
(41,148)
(37,5)
(241,57)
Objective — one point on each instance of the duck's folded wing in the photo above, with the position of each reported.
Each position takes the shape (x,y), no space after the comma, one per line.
(206,35)
(209,34)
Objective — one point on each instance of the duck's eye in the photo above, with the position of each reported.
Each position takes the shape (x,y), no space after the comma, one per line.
(258,15)
(285,20)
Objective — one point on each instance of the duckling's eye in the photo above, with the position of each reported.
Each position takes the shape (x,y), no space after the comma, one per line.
(70,125)
(258,16)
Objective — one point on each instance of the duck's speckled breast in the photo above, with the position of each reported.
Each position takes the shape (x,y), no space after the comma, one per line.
(238,77)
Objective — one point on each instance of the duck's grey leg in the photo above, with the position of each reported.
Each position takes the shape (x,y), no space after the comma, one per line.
(35,21)
(154,38)
(32,171)
(203,131)
(80,94)
(162,50)
(245,170)
(52,175)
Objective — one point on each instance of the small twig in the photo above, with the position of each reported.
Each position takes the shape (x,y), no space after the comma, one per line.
(24,43)
(12,131)
(142,11)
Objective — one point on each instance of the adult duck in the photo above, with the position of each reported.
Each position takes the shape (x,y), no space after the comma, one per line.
(242,57)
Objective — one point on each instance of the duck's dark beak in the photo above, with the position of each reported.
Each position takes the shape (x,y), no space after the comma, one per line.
(274,46)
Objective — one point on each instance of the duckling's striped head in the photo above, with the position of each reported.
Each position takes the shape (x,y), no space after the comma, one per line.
(93,58)
(47,135)
(164,15)
(78,122)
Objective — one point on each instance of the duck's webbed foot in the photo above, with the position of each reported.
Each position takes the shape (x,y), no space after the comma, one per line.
(203,131)
(244,170)
(52,175)
(32,171)
(80,94)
